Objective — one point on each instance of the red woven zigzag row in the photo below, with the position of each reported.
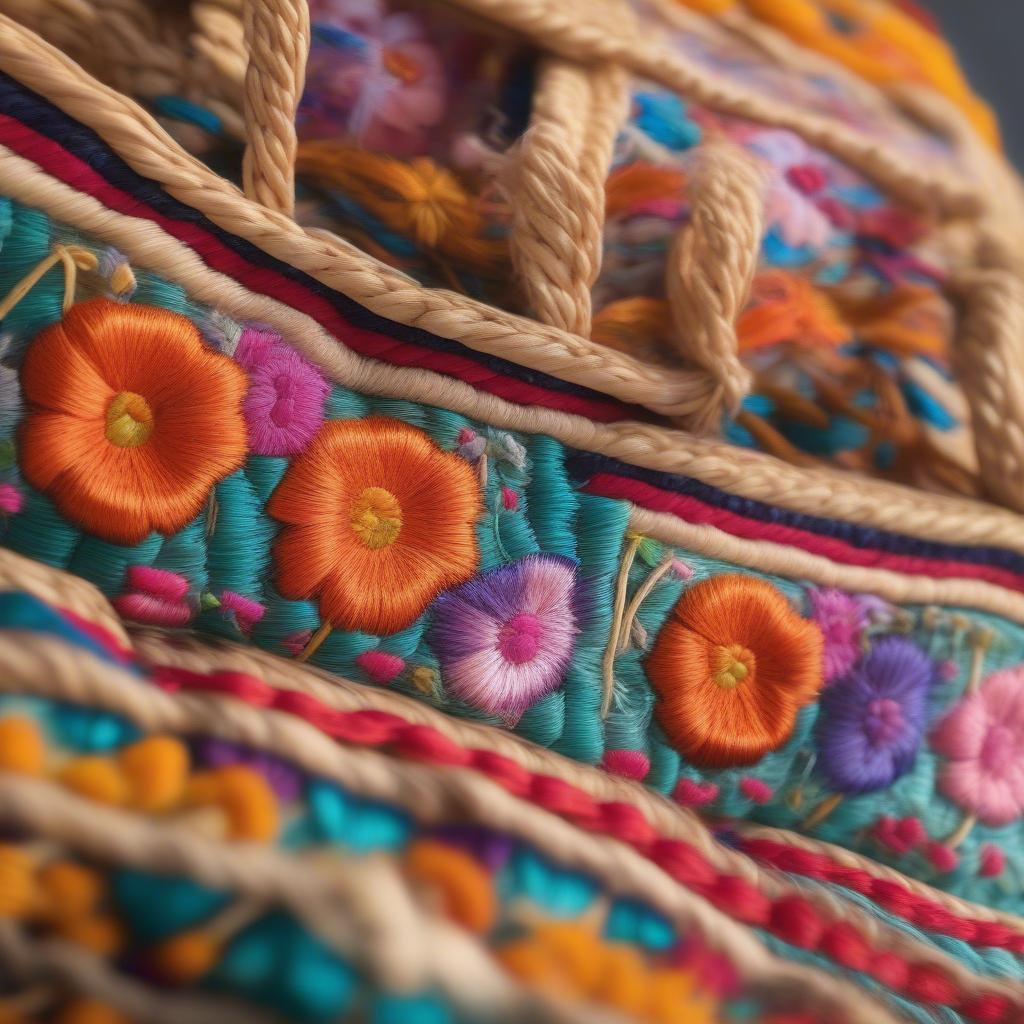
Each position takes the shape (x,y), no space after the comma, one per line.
(888,894)
(793,919)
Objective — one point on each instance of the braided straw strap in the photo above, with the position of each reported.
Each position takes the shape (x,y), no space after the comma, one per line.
(711,267)
(277,38)
(556,177)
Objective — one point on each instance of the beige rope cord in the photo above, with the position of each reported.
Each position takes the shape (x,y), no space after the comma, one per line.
(722,239)
(609,31)
(148,50)
(744,472)
(156,647)
(61,589)
(360,906)
(671,820)
(989,360)
(710,269)
(277,38)
(771,557)
(556,177)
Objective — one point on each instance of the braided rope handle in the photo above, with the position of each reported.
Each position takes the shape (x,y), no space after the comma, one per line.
(277,40)
(711,267)
(557,174)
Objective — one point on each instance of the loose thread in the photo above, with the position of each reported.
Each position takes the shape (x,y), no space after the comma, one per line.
(481,469)
(963,830)
(74,259)
(822,811)
(505,556)
(212,510)
(981,641)
(641,595)
(608,661)
(315,641)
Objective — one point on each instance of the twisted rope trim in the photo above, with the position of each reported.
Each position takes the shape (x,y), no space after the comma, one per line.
(710,270)
(780,560)
(556,179)
(748,474)
(600,33)
(430,794)
(670,821)
(277,40)
(342,697)
(277,36)
(62,590)
(610,32)
(989,360)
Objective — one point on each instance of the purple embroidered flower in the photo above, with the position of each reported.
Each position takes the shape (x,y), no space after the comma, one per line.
(841,619)
(505,639)
(284,405)
(872,721)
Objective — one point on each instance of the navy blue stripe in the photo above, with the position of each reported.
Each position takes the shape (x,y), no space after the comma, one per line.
(583,465)
(38,113)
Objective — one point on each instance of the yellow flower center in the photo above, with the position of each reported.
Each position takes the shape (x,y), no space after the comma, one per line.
(732,665)
(377,518)
(129,420)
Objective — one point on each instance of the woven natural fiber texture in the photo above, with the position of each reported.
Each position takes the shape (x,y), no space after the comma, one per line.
(459,557)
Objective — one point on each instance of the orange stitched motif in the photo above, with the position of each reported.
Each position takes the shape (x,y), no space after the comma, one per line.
(732,666)
(379,521)
(132,419)
(462,883)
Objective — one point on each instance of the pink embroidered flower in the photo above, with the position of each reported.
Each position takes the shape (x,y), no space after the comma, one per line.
(284,405)
(983,737)
(841,619)
(505,639)
(156,597)
(376,78)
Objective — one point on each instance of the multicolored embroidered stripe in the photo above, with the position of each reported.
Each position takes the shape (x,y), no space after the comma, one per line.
(84,161)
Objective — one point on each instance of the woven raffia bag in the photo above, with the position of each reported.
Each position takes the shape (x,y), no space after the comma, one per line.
(547,546)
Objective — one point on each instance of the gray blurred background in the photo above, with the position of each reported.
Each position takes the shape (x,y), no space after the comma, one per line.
(987,36)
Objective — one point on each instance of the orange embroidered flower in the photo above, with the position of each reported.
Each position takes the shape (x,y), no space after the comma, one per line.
(131,419)
(379,521)
(732,667)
